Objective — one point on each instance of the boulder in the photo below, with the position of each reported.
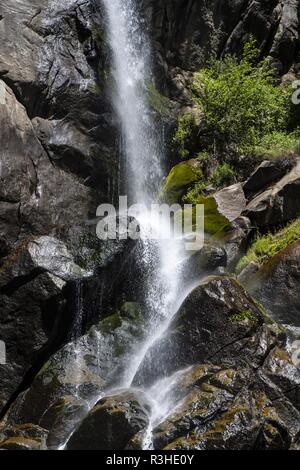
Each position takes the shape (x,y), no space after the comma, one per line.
(265,174)
(277,285)
(112,422)
(277,204)
(216,320)
(231,201)
(24,437)
(211,258)
(76,375)
(234,409)
(180,178)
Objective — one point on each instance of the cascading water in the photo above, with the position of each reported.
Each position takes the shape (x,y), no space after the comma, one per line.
(144,152)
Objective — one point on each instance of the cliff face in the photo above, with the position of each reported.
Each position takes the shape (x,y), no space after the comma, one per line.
(186,33)
(59,145)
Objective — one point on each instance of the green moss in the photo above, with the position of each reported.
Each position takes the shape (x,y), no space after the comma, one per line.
(214,222)
(244,315)
(267,246)
(44,368)
(216,225)
(159,103)
(179,179)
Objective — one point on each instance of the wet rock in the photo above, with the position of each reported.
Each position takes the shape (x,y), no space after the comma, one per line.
(216,320)
(235,240)
(112,422)
(210,259)
(51,255)
(231,408)
(276,285)
(24,437)
(61,418)
(81,369)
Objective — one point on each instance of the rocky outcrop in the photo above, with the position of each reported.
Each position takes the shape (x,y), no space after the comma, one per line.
(217,321)
(230,409)
(276,285)
(75,376)
(187,34)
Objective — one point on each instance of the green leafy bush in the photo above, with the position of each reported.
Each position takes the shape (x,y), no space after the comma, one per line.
(240,100)
(223,176)
(185,127)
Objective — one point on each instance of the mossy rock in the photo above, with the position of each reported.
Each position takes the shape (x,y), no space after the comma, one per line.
(181,177)
(216,225)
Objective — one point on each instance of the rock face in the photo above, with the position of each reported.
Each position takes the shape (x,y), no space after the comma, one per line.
(186,34)
(276,285)
(277,204)
(215,321)
(69,309)
(229,409)
(111,423)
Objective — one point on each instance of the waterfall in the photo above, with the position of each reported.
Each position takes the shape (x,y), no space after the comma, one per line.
(132,76)
(144,154)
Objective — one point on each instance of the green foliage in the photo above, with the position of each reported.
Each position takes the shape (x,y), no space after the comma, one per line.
(179,179)
(267,246)
(240,100)
(159,103)
(224,175)
(184,130)
(244,315)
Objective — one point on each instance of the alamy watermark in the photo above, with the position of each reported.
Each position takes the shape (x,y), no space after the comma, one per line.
(296,94)
(2,93)
(160,222)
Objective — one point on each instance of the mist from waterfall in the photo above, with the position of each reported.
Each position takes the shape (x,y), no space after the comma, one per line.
(144,154)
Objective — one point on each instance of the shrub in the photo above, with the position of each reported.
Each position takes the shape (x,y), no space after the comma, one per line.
(267,246)
(240,100)
(223,176)
(184,130)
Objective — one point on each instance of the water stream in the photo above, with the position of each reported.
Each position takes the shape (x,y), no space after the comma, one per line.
(144,154)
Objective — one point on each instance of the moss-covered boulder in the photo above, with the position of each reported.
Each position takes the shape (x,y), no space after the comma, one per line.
(112,422)
(180,178)
(221,210)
